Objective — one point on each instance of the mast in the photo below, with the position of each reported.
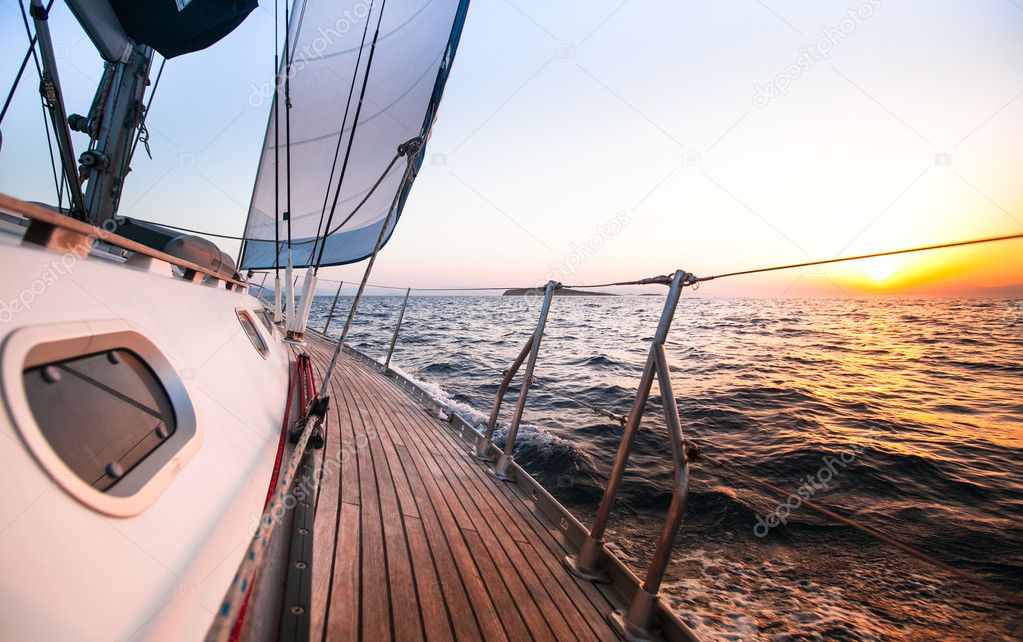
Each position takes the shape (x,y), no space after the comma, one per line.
(115,114)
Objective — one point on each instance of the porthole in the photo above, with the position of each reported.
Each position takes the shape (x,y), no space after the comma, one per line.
(267,318)
(249,326)
(101,410)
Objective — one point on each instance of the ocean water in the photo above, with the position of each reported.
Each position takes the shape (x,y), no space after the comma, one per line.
(904,415)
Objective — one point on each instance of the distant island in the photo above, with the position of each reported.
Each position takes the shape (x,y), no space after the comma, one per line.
(561,292)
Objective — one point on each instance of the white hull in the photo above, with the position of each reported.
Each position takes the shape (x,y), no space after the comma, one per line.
(72,572)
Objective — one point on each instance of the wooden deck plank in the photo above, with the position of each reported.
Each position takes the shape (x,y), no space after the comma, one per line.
(485,605)
(536,602)
(463,615)
(405,618)
(336,541)
(496,571)
(424,543)
(458,455)
(326,510)
(506,504)
(436,620)
(343,622)
(528,592)
(543,546)
(451,584)
(376,599)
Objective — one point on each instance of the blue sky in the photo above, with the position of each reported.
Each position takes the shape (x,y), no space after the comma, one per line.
(608,140)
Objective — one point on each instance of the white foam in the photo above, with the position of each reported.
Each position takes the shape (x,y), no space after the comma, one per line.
(439,395)
(528,435)
(728,599)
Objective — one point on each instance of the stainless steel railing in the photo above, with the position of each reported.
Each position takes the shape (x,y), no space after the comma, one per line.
(637,621)
(397,326)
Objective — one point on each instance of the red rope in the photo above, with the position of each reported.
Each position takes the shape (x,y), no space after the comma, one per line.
(312,378)
(284,433)
(303,389)
(296,378)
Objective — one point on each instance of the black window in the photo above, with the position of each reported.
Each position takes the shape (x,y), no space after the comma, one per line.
(102,413)
(250,330)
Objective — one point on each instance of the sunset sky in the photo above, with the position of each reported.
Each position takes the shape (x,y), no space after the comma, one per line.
(611,140)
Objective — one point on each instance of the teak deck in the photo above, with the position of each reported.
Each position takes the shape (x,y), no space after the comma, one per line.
(413,538)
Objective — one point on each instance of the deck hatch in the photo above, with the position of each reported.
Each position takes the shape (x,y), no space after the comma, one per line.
(102,413)
(101,409)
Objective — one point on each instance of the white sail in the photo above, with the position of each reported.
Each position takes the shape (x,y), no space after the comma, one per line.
(364,78)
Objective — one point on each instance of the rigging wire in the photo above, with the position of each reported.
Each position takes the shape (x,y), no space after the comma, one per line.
(277,146)
(355,126)
(142,134)
(17,78)
(990,239)
(340,136)
(57,182)
(31,53)
(287,112)
(361,203)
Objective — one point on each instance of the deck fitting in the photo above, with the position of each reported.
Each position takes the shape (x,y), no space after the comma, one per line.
(596,576)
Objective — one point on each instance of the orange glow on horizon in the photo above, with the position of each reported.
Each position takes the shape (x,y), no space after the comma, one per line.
(943,271)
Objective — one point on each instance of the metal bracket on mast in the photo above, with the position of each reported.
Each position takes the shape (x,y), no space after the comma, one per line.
(119,112)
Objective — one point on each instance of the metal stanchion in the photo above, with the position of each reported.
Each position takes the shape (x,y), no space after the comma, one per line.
(635,623)
(484,442)
(397,326)
(504,462)
(333,305)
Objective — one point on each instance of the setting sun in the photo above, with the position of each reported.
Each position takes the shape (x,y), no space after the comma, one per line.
(882,268)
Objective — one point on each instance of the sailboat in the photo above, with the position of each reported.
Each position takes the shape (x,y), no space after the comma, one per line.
(186,459)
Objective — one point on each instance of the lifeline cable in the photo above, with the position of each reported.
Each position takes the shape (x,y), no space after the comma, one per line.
(233,237)
(830,514)
(990,239)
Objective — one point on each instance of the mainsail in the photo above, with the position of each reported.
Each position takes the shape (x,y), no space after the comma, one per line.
(394,57)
